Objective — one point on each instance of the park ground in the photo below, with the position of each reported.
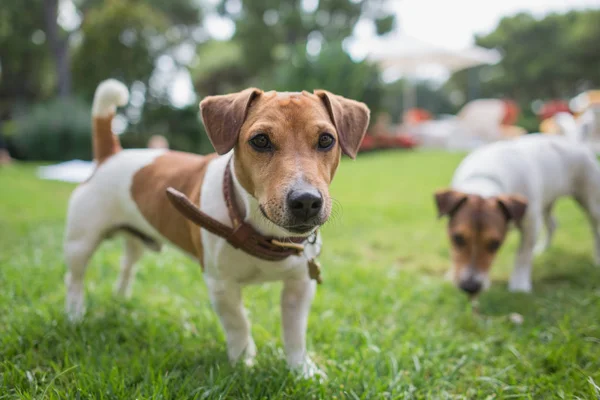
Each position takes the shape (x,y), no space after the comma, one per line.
(384,324)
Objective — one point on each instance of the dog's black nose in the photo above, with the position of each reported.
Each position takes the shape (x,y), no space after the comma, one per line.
(305,203)
(471,286)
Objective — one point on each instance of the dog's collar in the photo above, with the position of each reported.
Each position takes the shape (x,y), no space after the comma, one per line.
(242,235)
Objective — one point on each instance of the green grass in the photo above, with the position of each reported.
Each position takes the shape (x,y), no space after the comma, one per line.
(385,323)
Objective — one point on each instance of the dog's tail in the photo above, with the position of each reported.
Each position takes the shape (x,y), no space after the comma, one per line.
(109,94)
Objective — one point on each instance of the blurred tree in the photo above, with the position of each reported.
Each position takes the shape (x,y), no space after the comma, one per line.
(25,63)
(125,39)
(181,126)
(293,45)
(117,42)
(219,68)
(332,69)
(553,57)
(271,32)
(58,42)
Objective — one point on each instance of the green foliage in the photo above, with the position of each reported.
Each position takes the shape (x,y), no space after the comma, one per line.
(385,324)
(24,62)
(553,57)
(219,68)
(272,38)
(118,42)
(266,28)
(54,131)
(181,127)
(124,39)
(331,70)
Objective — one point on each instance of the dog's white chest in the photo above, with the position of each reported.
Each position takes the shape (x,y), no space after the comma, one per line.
(224,262)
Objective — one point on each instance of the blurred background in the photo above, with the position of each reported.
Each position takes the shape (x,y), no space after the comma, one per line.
(435,74)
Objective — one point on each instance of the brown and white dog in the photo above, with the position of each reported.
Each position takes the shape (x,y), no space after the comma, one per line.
(286,149)
(516,181)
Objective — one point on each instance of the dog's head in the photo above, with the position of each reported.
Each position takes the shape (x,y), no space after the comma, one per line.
(477,228)
(287,147)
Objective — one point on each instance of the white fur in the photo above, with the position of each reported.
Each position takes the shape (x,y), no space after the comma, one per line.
(105,201)
(109,95)
(542,169)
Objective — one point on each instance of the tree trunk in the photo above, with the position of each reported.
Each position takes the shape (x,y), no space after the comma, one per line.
(59,47)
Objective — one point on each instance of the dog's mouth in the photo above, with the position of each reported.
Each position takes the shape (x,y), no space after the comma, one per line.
(300,229)
(303,229)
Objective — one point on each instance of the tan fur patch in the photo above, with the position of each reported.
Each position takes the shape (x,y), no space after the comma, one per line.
(473,229)
(183,171)
(293,123)
(105,142)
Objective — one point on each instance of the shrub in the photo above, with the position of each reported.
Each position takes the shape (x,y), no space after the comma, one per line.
(54,131)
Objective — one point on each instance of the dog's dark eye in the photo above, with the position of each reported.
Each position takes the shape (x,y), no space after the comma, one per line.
(326,141)
(493,245)
(459,240)
(261,142)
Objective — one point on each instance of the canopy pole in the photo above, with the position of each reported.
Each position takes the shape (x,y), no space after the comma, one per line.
(409,95)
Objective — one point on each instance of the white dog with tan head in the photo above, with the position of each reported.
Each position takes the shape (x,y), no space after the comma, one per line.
(261,199)
(515,181)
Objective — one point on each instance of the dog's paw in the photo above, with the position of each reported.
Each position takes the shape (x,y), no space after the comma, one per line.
(519,286)
(75,310)
(246,356)
(249,354)
(122,290)
(75,304)
(309,370)
(540,248)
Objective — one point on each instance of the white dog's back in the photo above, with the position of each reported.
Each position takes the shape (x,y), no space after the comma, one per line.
(535,166)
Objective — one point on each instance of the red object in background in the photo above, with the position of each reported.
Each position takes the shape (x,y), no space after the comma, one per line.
(511,112)
(415,115)
(387,142)
(552,107)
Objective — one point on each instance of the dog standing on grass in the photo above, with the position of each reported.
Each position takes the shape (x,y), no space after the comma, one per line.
(514,181)
(277,154)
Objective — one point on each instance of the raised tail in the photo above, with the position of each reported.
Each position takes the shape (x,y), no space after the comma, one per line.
(109,95)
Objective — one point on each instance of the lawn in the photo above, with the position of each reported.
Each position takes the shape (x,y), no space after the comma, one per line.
(384,324)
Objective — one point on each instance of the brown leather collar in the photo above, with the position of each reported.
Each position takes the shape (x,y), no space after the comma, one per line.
(242,236)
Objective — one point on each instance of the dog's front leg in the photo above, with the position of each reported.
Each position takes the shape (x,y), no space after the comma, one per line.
(226,299)
(520,280)
(296,298)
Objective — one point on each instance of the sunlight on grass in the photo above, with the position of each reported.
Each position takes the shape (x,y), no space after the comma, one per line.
(384,324)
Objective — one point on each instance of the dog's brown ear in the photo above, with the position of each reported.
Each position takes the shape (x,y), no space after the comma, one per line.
(448,201)
(513,206)
(223,117)
(351,119)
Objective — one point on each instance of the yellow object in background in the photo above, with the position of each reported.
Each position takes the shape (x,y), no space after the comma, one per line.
(549,127)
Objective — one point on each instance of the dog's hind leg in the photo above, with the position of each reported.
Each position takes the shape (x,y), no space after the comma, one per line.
(77,255)
(550,225)
(134,248)
(84,231)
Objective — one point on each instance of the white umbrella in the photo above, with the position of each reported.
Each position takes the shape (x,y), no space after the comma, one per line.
(409,56)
